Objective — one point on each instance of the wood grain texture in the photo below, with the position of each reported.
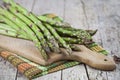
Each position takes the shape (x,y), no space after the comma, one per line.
(52,76)
(74,14)
(49,6)
(7,71)
(26,4)
(99,15)
(103,15)
(75,73)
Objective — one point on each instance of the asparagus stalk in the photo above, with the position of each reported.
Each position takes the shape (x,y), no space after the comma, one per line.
(90,32)
(53,22)
(67,39)
(83,35)
(69,31)
(73,40)
(61,41)
(6,27)
(53,17)
(8,31)
(23,26)
(12,25)
(37,21)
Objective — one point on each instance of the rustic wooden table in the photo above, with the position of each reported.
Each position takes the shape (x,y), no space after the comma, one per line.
(103,15)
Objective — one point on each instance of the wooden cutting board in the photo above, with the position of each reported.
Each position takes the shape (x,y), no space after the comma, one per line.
(28,50)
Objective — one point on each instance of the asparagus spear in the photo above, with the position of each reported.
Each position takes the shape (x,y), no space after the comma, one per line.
(53,22)
(83,35)
(23,26)
(61,41)
(37,21)
(6,27)
(59,19)
(69,31)
(12,25)
(92,32)
(8,31)
(73,40)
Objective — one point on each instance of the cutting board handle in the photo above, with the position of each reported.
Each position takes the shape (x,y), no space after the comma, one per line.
(94,59)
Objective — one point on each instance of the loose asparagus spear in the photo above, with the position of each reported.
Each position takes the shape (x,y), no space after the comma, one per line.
(27,29)
(37,21)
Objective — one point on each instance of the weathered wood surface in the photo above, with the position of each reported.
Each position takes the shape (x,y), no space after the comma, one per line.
(103,15)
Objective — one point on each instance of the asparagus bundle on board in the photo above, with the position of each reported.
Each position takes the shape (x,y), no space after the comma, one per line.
(37,22)
(50,34)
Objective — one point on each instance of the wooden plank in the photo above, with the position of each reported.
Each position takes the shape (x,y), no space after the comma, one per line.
(7,71)
(74,14)
(20,76)
(75,73)
(112,29)
(98,16)
(92,19)
(26,4)
(92,23)
(51,6)
(52,76)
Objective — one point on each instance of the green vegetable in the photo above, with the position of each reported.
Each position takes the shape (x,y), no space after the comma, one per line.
(37,22)
(27,29)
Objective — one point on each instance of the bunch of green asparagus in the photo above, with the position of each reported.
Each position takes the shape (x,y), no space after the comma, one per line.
(49,32)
